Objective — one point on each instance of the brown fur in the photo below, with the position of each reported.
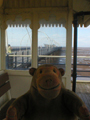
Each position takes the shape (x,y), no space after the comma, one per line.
(47,98)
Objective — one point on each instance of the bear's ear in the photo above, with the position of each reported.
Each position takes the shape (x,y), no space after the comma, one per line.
(62,71)
(32,71)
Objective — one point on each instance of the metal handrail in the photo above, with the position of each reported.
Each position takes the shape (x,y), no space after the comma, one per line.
(48,56)
(20,55)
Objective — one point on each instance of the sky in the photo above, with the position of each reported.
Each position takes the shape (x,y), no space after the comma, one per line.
(22,36)
(84,36)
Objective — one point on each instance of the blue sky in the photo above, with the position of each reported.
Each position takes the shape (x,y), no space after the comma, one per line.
(84,36)
(52,35)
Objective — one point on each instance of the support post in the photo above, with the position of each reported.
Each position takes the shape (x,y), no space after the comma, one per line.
(22,59)
(75,54)
(3,47)
(27,57)
(34,26)
(68,50)
(16,60)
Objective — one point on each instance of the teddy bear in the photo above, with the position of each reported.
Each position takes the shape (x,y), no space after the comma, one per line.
(47,98)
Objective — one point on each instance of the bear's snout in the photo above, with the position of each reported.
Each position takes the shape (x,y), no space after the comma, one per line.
(49,82)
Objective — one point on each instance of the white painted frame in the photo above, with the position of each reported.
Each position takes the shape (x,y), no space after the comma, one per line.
(35,17)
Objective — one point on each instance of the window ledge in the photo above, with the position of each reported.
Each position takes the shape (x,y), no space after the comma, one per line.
(18,72)
(21,73)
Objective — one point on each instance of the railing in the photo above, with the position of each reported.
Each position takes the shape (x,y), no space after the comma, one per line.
(16,63)
(84,66)
(23,58)
(54,56)
(13,60)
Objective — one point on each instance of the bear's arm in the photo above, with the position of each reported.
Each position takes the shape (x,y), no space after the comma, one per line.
(75,104)
(18,108)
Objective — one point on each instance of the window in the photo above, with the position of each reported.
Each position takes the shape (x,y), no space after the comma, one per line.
(51,43)
(83,53)
(18,47)
(52,46)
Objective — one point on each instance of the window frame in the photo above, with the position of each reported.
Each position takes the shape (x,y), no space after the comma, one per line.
(35,26)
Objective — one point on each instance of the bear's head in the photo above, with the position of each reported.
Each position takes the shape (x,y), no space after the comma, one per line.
(47,79)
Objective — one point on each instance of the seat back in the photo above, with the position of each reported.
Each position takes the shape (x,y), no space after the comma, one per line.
(4,83)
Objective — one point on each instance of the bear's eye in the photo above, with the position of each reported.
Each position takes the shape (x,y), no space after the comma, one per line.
(40,71)
(54,70)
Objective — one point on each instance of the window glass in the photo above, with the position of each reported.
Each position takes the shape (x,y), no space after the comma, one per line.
(52,46)
(18,47)
(83,53)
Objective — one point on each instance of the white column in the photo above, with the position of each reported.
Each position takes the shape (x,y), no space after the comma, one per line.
(2,47)
(34,27)
(69,50)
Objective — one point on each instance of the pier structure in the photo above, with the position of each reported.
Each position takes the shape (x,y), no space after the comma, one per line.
(21,58)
